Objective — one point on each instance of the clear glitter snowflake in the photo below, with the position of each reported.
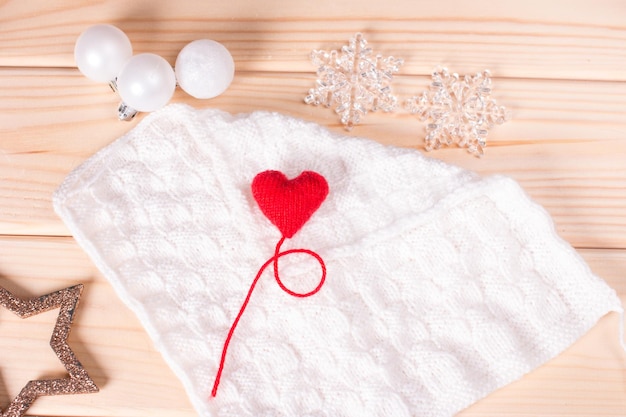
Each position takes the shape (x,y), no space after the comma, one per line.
(353,80)
(461,111)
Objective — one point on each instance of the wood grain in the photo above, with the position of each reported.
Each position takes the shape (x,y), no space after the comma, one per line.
(557,39)
(135,381)
(559,66)
(565,151)
(106,337)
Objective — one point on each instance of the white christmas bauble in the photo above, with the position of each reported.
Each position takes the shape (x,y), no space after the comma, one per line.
(204,68)
(101,51)
(146,83)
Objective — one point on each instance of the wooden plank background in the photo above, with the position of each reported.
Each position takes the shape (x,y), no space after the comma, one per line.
(558,65)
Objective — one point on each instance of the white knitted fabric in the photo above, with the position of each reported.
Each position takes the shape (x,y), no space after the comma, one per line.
(441,286)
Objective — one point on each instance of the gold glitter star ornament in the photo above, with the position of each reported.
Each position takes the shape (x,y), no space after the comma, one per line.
(78,381)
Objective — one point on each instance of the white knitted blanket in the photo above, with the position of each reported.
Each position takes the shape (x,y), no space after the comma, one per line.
(441,286)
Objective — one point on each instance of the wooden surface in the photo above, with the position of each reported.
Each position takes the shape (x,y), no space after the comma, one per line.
(559,66)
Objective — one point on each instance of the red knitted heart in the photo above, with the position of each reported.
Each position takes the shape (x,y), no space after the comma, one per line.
(289,204)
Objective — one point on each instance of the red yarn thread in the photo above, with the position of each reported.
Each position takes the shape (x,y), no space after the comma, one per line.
(274,259)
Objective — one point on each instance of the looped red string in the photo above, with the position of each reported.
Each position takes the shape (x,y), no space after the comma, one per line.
(273,260)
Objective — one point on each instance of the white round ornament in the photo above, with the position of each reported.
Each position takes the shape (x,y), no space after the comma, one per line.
(146,83)
(204,68)
(101,51)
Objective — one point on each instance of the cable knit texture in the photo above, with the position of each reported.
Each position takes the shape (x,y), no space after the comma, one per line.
(441,286)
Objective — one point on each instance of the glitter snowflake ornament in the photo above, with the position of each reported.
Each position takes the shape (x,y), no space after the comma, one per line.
(353,80)
(461,111)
